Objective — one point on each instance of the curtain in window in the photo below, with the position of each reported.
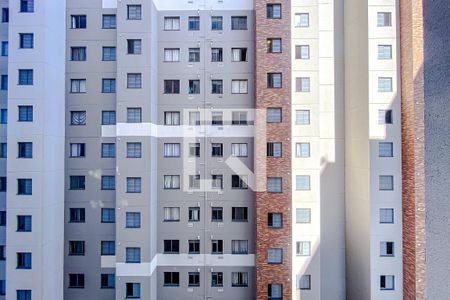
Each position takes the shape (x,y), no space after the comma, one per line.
(239,246)
(171,150)
(276,220)
(78,86)
(78,118)
(236,54)
(194,214)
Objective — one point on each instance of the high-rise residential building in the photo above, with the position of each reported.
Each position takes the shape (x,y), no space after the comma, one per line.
(224,149)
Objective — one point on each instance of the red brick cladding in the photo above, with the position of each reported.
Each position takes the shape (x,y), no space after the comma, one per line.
(411,29)
(279,132)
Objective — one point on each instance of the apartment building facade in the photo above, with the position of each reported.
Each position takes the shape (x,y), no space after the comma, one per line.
(202,149)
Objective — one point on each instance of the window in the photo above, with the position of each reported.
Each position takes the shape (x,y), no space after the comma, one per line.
(134,12)
(216,23)
(275,291)
(133,184)
(78,53)
(217,246)
(194,182)
(133,220)
(4,83)
(76,248)
(274,45)
(171,150)
(303,182)
(25,150)
(171,182)
(109,54)
(134,150)
(78,86)
(76,281)
(275,256)
(194,247)
(386,215)
(193,279)
(25,77)
(172,55)
(386,248)
(302,150)
(275,220)
(385,149)
(25,113)
(239,86)
(3,150)
(239,247)
(217,182)
(239,279)
(216,54)
(5,14)
(302,52)
(172,23)
(108,248)
(384,52)
(78,21)
(274,185)
(172,118)
(384,19)
(171,278)
(78,118)
(5,48)
(24,223)
(217,150)
(26,6)
(2,184)
(77,215)
(194,149)
(239,118)
(2,218)
(384,84)
(274,80)
(76,149)
(108,215)
(303,215)
(304,282)
(239,214)
(194,87)
(171,246)
(2,287)
(171,214)
(238,23)
(217,118)
(24,186)
(133,255)
(302,117)
(194,23)
(108,117)
(194,214)
(387,282)
(108,85)
(302,84)
(385,116)
(216,86)
(217,214)
(77,182)
(109,22)
(23,260)
(134,80)
(239,150)
(238,54)
(2,252)
(386,183)
(108,150)
(194,54)
(171,86)
(133,290)
(194,118)
(274,115)
(26,41)
(274,149)
(3,116)
(23,294)
(216,279)
(108,182)
(301,20)
(239,182)
(134,46)
(303,248)
(134,115)
(107,281)
(274,11)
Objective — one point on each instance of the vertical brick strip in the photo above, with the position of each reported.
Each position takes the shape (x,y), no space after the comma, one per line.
(279,132)
(412,57)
